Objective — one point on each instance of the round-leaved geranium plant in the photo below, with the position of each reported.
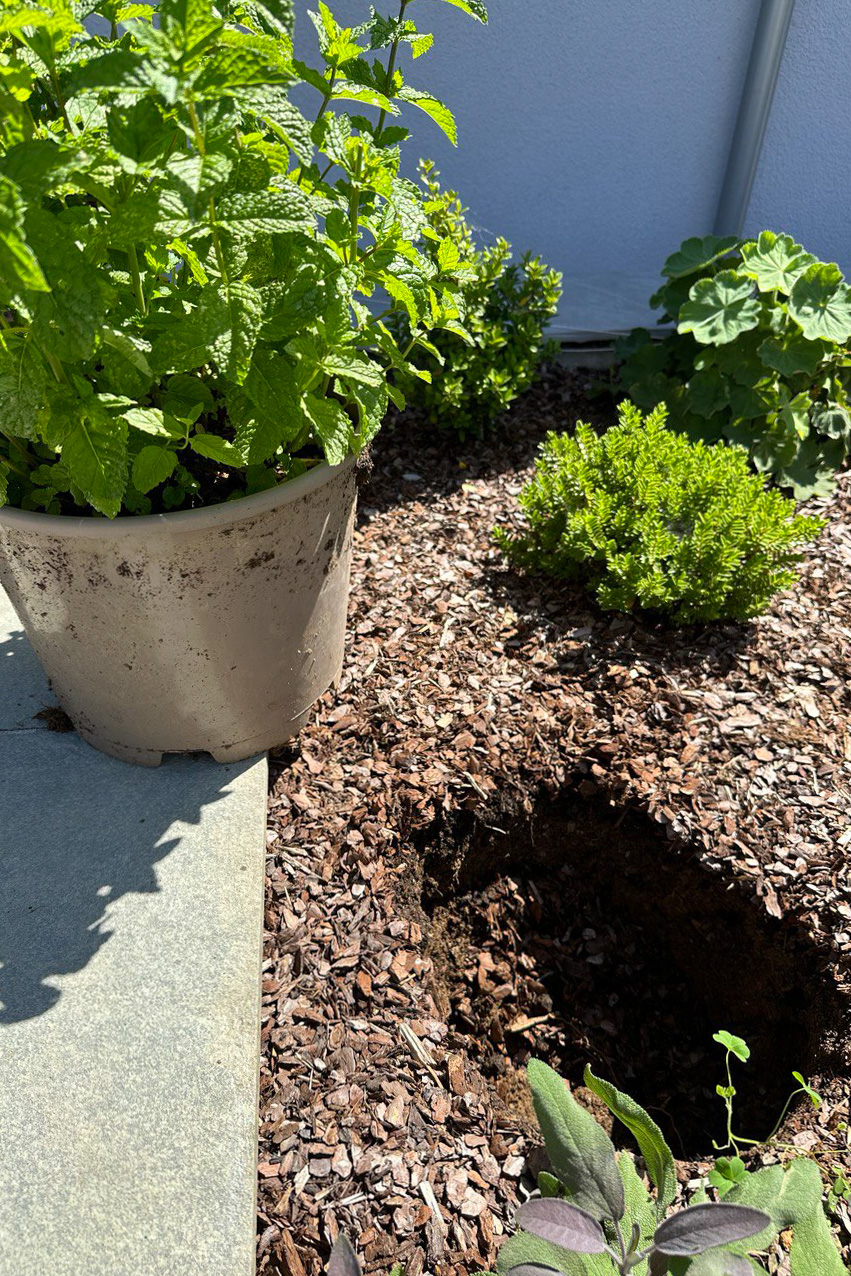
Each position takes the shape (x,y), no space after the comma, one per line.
(195,277)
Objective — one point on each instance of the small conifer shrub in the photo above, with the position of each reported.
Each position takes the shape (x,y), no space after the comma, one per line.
(647,518)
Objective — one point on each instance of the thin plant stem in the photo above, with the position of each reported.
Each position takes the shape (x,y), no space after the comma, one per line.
(391,67)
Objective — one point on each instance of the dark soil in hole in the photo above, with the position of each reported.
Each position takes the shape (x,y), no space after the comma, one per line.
(582,935)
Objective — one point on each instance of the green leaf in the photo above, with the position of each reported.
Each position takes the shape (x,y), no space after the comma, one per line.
(217,449)
(475,8)
(814,1251)
(708,392)
(152,466)
(715,1263)
(400,291)
(222,330)
(787,1197)
(271,211)
(333,427)
(19,268)
(695,254)
(657,1155)
(794,355)
(24,385)
(152,421)
(448,255)
(435,109)
(4,482)
(820,303)
(94,452)
(639,1207)
(811,471)
(523,1248)
(728,1171)
(352,366)
(774,261)
(794,414)
(720,309)
(835,422)
(581,1152)
(736,1045)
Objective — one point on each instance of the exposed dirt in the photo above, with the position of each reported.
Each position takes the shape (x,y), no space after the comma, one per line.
(706,774)
(584,940)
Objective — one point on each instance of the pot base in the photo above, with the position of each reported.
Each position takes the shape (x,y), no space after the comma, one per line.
(238,752)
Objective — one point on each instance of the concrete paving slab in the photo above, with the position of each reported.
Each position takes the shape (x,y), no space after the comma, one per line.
(24,690)
(130,930)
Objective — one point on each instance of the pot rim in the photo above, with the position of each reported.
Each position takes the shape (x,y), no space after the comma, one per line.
(224,514)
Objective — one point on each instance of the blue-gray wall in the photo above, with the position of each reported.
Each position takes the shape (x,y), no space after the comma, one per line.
(596,132)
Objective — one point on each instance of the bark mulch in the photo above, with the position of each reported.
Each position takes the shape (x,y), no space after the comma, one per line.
(397,1010)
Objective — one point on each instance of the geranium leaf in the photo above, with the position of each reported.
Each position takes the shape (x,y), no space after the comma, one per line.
(792,356)
(820,303)
(774,261)
(695,254)
(720,309)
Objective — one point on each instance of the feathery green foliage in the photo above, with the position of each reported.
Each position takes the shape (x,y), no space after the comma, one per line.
(186,260)
(477,372)
(648,519)
(761,355)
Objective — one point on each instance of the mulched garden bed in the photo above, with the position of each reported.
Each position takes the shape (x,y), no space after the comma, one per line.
(523,826)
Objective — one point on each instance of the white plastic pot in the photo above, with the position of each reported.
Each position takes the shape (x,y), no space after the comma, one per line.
(208,630)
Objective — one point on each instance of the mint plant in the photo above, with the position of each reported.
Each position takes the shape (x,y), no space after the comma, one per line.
(596,1216)
(761,355)
(737,1047)
(186,260)
(475,374)
(646,518)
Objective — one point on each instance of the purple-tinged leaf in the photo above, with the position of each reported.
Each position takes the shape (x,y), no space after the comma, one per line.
(702,1227)
(562,1224)
(343,1260)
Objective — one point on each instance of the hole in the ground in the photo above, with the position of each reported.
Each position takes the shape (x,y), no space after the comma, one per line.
(582,935)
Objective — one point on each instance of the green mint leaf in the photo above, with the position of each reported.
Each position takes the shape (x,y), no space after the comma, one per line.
(152,466)
(152,421)
(332,426)
(94,452)
(434,108)
(217,449)
(268,212)
(475,8)
(19,268)
(24,388)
